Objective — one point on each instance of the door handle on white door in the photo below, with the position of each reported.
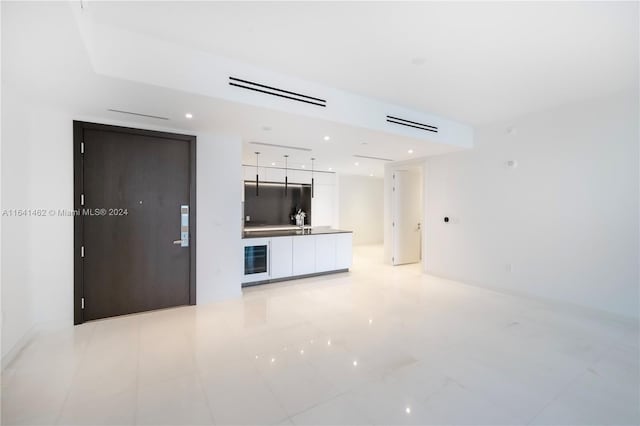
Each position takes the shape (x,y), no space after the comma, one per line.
(177,242)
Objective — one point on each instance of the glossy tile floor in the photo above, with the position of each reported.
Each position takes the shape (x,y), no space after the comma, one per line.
(379,345)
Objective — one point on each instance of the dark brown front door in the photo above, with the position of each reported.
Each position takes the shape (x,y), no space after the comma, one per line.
(132,187)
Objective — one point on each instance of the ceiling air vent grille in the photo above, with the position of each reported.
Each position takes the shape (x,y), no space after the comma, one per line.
(372,158)
(273,145)
(403,122)
(138,114)
(274,91)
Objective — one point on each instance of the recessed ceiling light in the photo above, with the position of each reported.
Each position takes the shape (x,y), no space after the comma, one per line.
(407,410)
(356,164)
(326,138)
(355,363)
(371,174)
(189,115)
(330,168)
(273,164)
(410,151)
(302,166)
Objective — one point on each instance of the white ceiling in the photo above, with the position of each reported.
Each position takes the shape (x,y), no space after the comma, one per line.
(475,62)
(44,58)
(482,62)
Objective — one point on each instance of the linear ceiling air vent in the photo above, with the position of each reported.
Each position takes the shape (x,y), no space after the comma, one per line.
(372,158)
(274,91)
(281,146)
(138,114)
(403,122)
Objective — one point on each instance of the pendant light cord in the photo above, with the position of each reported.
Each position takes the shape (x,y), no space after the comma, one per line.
(286,174)
(312,179)
(257,178)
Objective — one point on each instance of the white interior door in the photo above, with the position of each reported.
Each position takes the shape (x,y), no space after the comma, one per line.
(406,212)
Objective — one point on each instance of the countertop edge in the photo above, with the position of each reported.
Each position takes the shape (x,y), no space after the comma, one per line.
(292,233)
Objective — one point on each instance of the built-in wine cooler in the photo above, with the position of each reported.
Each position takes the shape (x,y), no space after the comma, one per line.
(256,259)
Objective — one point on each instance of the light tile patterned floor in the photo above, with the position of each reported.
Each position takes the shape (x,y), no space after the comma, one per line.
(379,345)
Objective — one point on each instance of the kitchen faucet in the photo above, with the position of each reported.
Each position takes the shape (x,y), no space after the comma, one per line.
(300,219)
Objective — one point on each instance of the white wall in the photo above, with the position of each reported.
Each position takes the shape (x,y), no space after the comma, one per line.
(219,261)
(564,221)
(361,207)
(322,205)
(18,304)
(37,173)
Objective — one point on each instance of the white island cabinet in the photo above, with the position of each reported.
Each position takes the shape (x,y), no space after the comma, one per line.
(281,257)
(326,252)
(300,255)
(344,250)
(304,254)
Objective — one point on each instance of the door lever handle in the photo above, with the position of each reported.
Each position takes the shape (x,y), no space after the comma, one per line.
(184,227)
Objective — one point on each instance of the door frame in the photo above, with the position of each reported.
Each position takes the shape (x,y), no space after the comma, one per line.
(395,214)
(78,189)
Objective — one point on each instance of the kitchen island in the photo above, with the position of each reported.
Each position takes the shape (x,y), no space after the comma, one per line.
(284,253)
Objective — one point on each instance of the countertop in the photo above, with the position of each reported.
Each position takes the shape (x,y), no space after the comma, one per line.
(266,233)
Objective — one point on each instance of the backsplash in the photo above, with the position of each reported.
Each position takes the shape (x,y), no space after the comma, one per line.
(272,207)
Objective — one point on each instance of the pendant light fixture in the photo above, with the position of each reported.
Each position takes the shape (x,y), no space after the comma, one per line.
(286,175)
(257,179)
(312,185)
